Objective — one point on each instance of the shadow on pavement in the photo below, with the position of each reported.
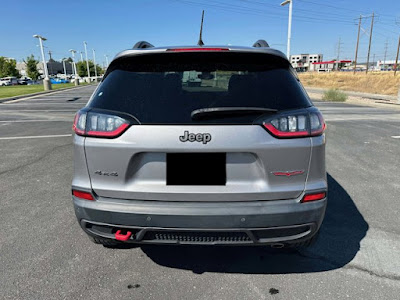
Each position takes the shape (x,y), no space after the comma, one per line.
(339,241)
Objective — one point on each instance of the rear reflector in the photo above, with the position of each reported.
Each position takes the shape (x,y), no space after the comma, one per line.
(82,195)
(196,49)
(314,197)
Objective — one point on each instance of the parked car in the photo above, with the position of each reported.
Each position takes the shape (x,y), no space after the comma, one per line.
(240,161)
(23,81)
(6,81)
(58,80)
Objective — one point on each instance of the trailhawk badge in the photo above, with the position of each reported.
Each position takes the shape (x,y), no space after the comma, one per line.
(195,137)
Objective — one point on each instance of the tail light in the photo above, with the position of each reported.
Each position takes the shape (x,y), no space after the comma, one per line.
(82,195)
(296,125)
(314,197)
(98,124)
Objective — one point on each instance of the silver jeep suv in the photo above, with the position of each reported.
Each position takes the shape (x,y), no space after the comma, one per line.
(200,145)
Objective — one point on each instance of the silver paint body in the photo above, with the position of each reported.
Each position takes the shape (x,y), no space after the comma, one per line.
(138,157)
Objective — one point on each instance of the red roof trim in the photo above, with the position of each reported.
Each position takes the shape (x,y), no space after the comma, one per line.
(331,62)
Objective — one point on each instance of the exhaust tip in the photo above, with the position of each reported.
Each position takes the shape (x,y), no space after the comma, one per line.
(277,246)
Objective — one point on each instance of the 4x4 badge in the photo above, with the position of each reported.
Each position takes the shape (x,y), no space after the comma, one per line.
(195,137)
(98,172)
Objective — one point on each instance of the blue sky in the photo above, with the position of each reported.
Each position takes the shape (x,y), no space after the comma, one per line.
(111,26)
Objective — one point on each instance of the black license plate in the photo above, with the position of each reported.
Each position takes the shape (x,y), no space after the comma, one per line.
(196,168)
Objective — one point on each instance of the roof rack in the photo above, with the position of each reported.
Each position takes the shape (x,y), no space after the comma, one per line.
(142,45)
(261,44)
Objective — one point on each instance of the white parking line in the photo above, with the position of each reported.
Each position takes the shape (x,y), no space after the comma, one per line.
(396,136)
(43,95)
(29,121)
(33,137)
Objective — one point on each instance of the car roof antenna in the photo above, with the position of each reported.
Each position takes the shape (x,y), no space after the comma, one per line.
(200,42)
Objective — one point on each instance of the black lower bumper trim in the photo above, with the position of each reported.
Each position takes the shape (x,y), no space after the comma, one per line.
(283,234)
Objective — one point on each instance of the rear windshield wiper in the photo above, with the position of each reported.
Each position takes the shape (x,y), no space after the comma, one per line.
(212,112)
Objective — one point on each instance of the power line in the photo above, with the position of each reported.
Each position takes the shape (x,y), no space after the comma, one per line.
(307,11)
(252,11)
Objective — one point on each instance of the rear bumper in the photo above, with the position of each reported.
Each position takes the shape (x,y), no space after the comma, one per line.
(239,223)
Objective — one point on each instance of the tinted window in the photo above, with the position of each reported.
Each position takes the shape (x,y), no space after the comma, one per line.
(166,88)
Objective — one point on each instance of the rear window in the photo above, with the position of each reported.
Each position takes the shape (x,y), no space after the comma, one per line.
(166,88)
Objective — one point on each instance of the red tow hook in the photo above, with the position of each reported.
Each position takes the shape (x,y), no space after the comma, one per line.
(119,236)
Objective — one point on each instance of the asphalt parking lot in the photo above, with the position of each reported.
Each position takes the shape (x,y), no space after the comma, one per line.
(45,255)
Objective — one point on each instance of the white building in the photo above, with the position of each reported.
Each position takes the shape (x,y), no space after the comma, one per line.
(386,65)
(302,62)
(328,66)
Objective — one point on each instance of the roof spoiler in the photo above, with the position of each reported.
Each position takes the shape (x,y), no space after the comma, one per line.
(142,45)
(261,44)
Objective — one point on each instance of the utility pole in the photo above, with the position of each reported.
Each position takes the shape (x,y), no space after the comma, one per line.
(397,57)
(358,40)
(338,54)
(384,58)
(370,39)
(81,56)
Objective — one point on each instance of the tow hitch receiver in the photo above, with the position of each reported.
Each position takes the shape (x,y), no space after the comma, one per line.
(122,235)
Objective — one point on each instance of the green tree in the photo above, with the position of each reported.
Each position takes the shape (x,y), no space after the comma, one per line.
(8,67)
(31,67)
(69,59)
(81,68)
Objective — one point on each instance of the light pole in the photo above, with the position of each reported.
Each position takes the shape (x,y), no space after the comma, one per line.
(46,80)
(65,71)
(81,56)
(87,61)
(289,25)
(106,60)
(76,80)
(94,62)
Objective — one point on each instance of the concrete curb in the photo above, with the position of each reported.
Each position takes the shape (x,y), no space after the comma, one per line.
(2,100)
(356,94)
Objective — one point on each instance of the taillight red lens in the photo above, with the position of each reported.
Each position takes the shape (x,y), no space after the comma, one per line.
(283,134)
(82,195)
(197,49)
(113,133)
(99,124)
(314,197)
(296,125)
